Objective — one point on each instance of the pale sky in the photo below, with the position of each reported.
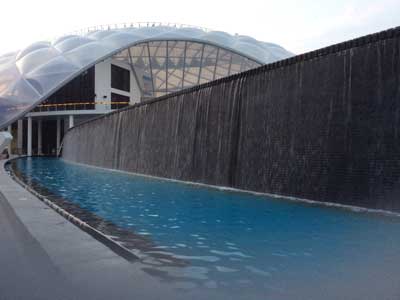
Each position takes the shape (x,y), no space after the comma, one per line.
(299,26)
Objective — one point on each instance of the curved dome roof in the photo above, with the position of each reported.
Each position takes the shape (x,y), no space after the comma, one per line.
(29,76)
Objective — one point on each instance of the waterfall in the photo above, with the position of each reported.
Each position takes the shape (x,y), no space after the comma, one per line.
(321,126)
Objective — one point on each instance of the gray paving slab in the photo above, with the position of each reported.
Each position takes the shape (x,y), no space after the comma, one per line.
(25,266)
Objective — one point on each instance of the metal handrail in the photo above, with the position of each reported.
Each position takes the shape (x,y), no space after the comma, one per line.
(73,105)
(112,26)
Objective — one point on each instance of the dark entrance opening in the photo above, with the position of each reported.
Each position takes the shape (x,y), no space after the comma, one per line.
(49,136)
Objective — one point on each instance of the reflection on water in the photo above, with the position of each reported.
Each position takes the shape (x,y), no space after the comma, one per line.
(229,244)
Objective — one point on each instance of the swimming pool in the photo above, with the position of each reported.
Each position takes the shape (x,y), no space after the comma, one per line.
(227,244)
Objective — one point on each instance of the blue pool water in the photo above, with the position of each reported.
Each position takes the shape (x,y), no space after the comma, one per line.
(236,245)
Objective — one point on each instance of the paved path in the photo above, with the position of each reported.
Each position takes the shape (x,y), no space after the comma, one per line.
(26,269)
(43,256)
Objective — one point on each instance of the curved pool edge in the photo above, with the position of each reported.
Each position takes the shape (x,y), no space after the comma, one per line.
(89,268)
(96,234)
(349,208)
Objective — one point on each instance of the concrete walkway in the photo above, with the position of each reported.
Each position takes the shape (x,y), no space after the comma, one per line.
(26,269)
(43,256)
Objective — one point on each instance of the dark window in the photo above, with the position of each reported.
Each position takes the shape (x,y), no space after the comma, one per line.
(119,101)
(120,78)
(77,94)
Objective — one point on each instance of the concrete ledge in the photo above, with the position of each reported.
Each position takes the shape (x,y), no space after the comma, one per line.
(114,246)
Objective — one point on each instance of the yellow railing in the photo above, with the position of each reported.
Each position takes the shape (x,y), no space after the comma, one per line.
(77,105)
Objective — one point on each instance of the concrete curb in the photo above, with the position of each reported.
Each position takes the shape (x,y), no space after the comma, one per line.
(99,236)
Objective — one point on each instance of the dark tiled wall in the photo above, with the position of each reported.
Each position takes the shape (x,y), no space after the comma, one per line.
(323,126)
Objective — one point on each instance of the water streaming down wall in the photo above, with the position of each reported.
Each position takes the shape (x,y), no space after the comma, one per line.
(322,126)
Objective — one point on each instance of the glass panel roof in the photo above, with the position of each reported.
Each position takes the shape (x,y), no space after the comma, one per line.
(165,59)
(164,67)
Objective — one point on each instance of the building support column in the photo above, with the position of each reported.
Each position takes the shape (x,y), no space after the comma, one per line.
(58,135)
(29,141)
(20,136)
(39,142)
(9,129)
(71,121)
